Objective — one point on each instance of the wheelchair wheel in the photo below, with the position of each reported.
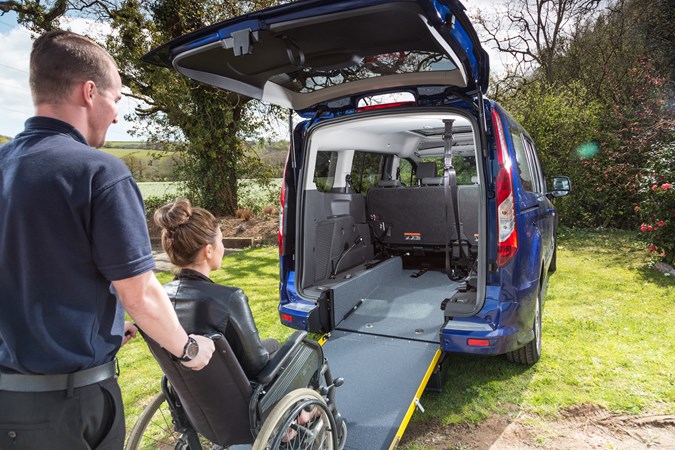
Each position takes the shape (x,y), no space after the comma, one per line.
(154,430)
(300,421)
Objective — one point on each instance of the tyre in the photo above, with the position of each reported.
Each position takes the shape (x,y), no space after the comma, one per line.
(283,428)
(531,352)
(154,430)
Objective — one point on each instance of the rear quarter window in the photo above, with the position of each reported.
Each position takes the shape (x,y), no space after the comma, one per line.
(366,171)
(324,171)
(522,161)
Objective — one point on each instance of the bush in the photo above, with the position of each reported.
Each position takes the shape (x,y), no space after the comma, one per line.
(256,195)
(245,214)
(561,120)
(657,210)
(154,201)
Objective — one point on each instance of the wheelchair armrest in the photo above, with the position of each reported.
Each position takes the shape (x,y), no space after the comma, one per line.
(272,367)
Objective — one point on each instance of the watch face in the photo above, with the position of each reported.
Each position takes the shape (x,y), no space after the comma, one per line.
(191,349)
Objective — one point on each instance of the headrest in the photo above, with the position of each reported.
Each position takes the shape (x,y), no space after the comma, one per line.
(426,170)
(389,183)
(432,181)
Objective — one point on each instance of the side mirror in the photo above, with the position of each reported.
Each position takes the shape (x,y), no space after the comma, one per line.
(562,186)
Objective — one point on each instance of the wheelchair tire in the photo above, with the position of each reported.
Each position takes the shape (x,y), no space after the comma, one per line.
(281,429)
(154,429)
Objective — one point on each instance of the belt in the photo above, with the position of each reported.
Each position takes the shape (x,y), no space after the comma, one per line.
(68,381)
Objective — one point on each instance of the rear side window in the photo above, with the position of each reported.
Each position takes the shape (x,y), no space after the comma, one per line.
(523,164)
(406,173)
(539,181)
(324,171)
(366,171)
(465,168)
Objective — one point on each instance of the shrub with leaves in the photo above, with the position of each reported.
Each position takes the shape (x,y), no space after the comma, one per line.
(657,211)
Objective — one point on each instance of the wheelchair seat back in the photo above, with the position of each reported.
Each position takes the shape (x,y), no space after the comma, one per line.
(300,367)
(216,398)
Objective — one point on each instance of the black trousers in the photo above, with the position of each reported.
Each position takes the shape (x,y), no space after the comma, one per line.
(93,418)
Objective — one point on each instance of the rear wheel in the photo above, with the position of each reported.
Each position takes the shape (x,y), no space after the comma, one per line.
(155,430)
(301,420)
(531,352)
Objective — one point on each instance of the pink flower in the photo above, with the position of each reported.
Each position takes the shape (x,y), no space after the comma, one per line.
(660,223)
(643,227)
(650,228)
(652,248)
(655,187)
(665,186)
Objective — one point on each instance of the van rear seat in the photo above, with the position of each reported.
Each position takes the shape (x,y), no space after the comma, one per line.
(415,217)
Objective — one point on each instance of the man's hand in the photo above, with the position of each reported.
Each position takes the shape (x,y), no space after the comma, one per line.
(206,349)
(130,331)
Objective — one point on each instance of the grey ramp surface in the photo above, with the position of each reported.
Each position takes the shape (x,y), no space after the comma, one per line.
(403,307)
(382,376)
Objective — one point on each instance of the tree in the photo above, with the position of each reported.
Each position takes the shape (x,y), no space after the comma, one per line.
(562,123)
(604,53)
(206,124)
(533,32)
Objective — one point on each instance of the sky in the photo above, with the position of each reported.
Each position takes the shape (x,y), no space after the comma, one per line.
(15,100)
(16,104)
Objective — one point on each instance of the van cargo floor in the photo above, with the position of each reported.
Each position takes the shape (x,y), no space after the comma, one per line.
(403,306)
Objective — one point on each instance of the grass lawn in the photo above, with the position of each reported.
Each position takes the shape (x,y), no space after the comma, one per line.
(607,338)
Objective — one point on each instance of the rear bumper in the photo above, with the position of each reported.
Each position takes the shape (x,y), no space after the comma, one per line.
(498,328)
(480,339)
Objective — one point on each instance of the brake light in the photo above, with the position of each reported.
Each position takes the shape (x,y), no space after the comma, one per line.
(282,203)
(384,106)
(506,205)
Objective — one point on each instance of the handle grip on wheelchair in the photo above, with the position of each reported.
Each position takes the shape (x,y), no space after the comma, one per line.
(214,336)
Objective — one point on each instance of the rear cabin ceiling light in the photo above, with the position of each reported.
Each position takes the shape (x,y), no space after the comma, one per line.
(506,205)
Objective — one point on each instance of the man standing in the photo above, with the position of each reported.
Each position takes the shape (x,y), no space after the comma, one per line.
(72,223)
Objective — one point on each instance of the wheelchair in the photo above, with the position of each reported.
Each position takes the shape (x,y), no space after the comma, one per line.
(289,405)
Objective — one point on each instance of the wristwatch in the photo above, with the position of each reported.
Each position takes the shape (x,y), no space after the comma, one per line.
(190,350)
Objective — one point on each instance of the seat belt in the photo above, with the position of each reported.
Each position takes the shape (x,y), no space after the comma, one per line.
(450,190)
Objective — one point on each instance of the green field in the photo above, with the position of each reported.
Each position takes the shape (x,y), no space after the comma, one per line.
(158,188)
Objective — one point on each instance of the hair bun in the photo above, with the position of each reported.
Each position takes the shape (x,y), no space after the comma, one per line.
(173,215)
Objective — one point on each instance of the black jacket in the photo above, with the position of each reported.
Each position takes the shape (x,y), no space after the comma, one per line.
(203,306)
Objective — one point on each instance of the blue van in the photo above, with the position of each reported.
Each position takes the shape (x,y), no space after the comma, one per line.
(412,205)
(416,220)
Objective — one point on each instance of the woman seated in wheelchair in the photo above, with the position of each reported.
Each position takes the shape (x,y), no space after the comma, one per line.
(192,239)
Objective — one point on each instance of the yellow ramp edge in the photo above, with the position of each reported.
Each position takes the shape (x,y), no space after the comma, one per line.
(413,404)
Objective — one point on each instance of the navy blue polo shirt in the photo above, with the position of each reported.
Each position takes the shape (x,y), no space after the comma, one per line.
(71,221)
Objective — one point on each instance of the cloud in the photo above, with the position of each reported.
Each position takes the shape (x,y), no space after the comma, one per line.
(15,100)
(16,104)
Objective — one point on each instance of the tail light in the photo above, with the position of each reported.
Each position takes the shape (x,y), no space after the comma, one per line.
(506,205)
(282,203)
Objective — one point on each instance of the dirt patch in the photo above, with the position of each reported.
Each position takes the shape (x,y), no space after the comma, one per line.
(262,229)
(582,427)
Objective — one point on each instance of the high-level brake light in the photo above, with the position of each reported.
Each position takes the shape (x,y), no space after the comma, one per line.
(385,106)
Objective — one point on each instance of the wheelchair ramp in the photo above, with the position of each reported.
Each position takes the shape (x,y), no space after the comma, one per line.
(383,378)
